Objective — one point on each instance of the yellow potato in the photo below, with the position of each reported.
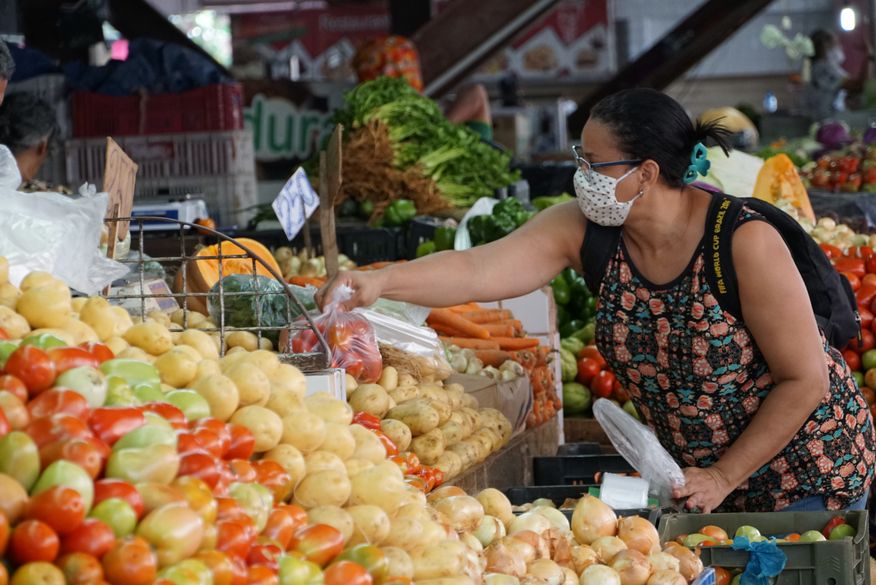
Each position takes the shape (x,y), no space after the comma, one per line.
(78,303)
(159,317)
(354,466)
(332,516)
(284,402)
(220,393)
(122,320)
(370,524)
(176,368)
(4,270)
(151,337)
(117,344)
(322,460)
(188,351)
(288,377)
(304,430)
(35,279)
(45,306)
(13,323)
(9,295)
(291,459)
(201,342)
(351,384)
(368,446)
(389,378)
(266,426)
(329,408)
(370,398)
(236,351)
(81,332)
(266,361)
(398,432)
(418,414)
(429,447)
(252,384)
(266,344)
(323,488)
(339,441)
(135,353)
(61,334)
(244,339)
(96,314)
(232,358)
(207,368)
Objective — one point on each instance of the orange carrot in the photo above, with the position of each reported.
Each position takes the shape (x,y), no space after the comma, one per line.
(513,343)
(514,323)
(466,343)
(492,357)
(445,330)
(487,315)
(461,324)
(465,308)
(499,330)
(306,280)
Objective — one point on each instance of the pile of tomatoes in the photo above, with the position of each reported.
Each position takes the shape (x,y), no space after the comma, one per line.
(352,342)
(594,373)
(215,516)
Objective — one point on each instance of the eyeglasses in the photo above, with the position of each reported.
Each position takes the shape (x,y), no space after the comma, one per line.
(587,167)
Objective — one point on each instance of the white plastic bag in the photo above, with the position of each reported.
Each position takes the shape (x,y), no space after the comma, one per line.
(10,176)
(483,206)
(414,339)
(640,447)
(56,234)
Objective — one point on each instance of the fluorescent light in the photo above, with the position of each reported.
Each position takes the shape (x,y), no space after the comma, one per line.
(848,18)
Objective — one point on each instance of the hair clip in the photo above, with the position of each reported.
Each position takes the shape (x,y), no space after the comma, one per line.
(699,164)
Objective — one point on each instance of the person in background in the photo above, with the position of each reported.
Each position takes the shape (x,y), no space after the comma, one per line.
(7,68)
(829,82)
(27,124)
(10,178)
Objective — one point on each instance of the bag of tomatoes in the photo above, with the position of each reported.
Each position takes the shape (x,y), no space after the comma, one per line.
(349,335)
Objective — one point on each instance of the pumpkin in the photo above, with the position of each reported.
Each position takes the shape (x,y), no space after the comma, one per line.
(778,181)
(205,271)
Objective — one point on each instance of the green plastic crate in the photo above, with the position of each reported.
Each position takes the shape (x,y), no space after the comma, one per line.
(840,562)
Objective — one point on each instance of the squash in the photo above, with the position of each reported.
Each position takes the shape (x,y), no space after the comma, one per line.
(205,272)
(779,181)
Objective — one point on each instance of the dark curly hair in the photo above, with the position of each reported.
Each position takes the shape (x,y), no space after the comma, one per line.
(25,121)
(650,125)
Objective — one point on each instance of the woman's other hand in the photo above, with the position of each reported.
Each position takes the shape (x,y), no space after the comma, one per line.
(705,488)
(367,288)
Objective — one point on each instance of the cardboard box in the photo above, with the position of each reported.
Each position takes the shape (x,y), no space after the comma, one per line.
(513,399)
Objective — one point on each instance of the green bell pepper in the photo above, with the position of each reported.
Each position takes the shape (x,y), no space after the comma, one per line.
(542,203)
(509,207)
(399,212)
(426,248)
(571,327)
(572,344)
(568,365)
(562,316)
(587,334)
(445,238)
(561,289)
(366,208)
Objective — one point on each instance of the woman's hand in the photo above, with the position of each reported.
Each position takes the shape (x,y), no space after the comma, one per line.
(367,288)
(705,488)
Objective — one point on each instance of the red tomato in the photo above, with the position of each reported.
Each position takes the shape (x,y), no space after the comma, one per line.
(387,443)
(61,508)
(261,575)
(219,428)
(228,509)
(242,442)
(33,541)
(5,427)
(281,526)
(722,576)
(866,316)
(413,462)
(14,385)
(32,366)
(111,423)
(853,279)
(319,543)
(346,573)
(587,370)
(209,441)
(591,352)
(168,412)
(852,359)
(48,429)
(833,523)
(243,471)
(367,420)
(130,562)
(59,400)
(851,265)
(105,489)
(92,537)
(220,565)
(831,251)
(298,514)
(867,342)
(871,265)
(99,350)
(619,392)
(273,476)
(4,534)
(202,465)
(602,384)
(3,334)
(80,569)
(868,280)
(186,442)
(89,453)
(265,554)
(233,538)
(67,358)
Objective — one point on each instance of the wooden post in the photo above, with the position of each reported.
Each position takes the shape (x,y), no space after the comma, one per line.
(329,186)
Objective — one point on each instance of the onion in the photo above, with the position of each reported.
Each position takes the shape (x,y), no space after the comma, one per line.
(439,559)
(607,546)
(474,564)
(664,577)
(529,521)
(469,540)
(543,502)
(532,580)
(548,570)
(496,504)
(520,548)
(464,513)
(542,550)
(690,565)
(661,561)
(554,516)
(638,534)
(503,559)
(600,575)
(500,579)
(571,576)
(560,545)
(593,519)
(489,529)
(632,566)
(445,491)
(582,557)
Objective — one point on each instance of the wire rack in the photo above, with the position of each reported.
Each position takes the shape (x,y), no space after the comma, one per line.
(178,268)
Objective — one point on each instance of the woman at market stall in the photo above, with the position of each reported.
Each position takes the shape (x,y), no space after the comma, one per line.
(786,428)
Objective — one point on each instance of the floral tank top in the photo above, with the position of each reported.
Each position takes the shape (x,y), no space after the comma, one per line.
(697,378)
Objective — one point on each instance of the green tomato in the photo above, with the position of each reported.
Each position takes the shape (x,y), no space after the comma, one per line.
(148,392)
(66,474)
(868,359)
(44,341)
(749,532)
(193,405)
(87,381)
(20,458)
(153,464)
(631,409)
(295,571)
(188,572)
(255,499)
(147,435)
(842,531)
(6,349)
(812,536)
(131,371)
(120,394)
(117,514)
(694,540)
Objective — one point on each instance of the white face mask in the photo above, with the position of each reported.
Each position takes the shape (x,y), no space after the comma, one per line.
(836,56)
(597,198)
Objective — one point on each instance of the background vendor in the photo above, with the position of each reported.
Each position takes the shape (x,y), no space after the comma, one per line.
(27,124)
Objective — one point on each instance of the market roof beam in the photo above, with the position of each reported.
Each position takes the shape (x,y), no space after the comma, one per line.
(458,39)
(679,50)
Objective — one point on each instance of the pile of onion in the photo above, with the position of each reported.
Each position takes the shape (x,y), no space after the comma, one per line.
(593,519)
(632,566)
(638,534)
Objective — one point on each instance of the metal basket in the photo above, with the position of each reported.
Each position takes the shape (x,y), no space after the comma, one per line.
(178,265)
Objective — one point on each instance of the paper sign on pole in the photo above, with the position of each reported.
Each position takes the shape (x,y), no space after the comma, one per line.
(295,203)
(119,179)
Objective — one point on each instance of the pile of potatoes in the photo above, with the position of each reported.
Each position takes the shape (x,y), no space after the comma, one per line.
(439,423)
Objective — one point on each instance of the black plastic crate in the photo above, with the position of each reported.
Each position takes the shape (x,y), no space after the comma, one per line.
(576,469)
(560,493)
(549,179)
(365,245)
(579,449)
(420,229)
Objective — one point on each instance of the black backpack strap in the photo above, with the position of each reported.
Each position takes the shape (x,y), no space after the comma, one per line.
(720,273)
(600,244)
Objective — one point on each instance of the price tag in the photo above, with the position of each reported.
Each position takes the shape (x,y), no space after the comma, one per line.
(119,179)
(295,203)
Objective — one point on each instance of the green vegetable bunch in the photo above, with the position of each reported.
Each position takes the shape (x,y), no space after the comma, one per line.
(508,215)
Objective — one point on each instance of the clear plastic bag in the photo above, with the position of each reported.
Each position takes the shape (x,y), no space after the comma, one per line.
(640,447)
(416,340)
(350,336)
